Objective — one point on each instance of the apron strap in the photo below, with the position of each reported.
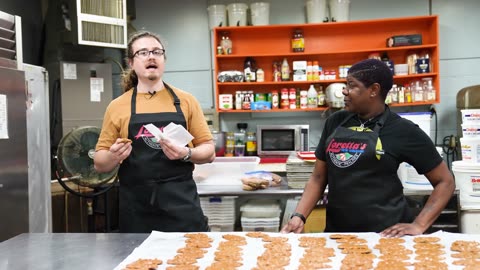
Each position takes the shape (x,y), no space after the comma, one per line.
(382,119)
(176,100)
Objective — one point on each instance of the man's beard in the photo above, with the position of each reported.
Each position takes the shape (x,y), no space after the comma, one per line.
(152,77)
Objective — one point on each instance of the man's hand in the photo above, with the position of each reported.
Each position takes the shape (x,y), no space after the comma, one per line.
(172,151)
(120,150)
(401,229)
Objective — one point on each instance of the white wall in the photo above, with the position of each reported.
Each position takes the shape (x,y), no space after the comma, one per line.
(184,24)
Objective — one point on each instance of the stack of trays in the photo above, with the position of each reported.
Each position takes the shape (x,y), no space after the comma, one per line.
(220,212)
(261,215)
(298,171)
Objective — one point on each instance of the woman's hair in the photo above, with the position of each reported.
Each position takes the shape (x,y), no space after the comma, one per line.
(129,77)
(372,71)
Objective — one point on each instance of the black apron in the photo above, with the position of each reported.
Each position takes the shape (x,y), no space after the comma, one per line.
(157,193)
(363,195)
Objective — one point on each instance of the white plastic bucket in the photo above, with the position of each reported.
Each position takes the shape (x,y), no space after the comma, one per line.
(316,10)
(470,149)
(422,119)
(410,177)
(217,16)
(471,130)
(260,13)
(467,180)
(237,14)
(470,221)
(339,10)
(471,116)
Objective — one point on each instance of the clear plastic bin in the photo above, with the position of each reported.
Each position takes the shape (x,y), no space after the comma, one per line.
(260,224)
(224,170)
(261,209)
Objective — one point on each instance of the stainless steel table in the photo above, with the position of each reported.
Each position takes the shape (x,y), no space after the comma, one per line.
(52,251)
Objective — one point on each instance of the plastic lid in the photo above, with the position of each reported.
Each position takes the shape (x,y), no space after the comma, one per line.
(242,125)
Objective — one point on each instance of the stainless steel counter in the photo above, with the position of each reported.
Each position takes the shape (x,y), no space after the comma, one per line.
(70,251)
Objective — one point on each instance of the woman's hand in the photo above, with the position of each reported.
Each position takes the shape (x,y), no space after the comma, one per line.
(401,229)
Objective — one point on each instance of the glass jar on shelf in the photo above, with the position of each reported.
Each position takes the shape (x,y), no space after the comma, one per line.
(298,42)
(226,43)
(429,90)
(251,144)
(229,144)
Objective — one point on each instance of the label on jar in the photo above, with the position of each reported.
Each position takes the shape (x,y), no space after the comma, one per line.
(274,100)
(303,99)
(293,104)
(260,75)
(251,146)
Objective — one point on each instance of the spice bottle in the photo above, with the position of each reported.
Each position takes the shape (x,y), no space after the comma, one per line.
(315,71)
(249,70)
(321,97)
(277,72)
(284,102)
(275,99)
(260,75)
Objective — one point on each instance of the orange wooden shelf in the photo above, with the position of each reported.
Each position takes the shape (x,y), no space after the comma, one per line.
(321,109)
(332,44)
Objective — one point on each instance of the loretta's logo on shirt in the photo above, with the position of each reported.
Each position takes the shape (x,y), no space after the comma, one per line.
(344,154)
(148,138)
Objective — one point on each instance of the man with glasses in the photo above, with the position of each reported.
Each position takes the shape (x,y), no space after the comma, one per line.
(157,191)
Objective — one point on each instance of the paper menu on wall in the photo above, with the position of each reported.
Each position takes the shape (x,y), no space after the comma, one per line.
(177,134)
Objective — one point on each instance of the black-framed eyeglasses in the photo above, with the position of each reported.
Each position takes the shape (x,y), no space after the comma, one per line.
(144,53)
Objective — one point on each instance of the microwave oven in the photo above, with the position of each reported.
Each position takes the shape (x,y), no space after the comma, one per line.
(281,140)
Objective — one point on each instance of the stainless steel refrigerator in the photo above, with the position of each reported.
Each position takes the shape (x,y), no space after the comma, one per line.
(13,154)
(25,199)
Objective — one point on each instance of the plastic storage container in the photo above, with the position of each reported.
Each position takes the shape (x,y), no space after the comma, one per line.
(237,14)
(467,180)
(224,170)
(220,212)
(471,130)
(217,16)
(471,116)
(422,119)
(261,209)
(470,149)
(260,224)
(260,12)
(316,11)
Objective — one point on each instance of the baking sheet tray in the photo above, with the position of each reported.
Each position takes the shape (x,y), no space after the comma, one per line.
(164,246)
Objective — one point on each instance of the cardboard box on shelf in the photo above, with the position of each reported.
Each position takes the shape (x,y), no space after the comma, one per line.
(404,40)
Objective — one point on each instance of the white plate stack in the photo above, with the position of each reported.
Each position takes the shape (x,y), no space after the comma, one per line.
(220,212)
(261,215)
(467,172)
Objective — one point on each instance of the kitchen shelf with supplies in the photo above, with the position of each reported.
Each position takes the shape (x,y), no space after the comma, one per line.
(333,45)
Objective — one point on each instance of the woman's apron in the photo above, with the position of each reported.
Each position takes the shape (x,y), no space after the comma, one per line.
(362,195)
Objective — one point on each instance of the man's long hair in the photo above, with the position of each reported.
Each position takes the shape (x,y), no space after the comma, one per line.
(129,77)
